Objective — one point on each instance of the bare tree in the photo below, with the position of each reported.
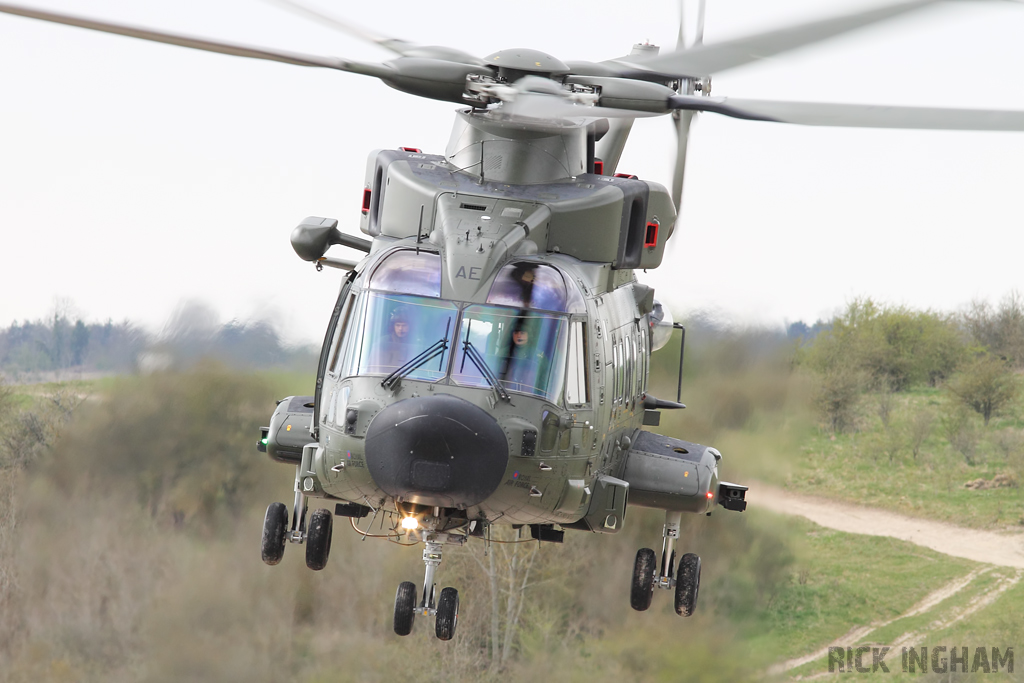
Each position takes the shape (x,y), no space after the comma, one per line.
(999,329)
(961,432)
(508,564)
(920,428)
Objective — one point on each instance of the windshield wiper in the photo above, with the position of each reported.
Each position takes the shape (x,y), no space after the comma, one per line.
(431,352)
(470,352)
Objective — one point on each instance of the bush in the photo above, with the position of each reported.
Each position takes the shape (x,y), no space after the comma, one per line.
(1000,330)
(894,347)
(838,396)
(986,385)
(184,443)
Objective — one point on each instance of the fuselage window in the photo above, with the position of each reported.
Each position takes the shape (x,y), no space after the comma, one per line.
(523,350)
(339,335)
(616,372)
(577,389)
(635,365)
(645,355)
(630,362)
(535,285)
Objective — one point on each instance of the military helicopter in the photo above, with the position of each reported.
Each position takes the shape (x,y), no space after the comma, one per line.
(487,360)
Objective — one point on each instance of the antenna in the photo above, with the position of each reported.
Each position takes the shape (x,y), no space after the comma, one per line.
(419,231)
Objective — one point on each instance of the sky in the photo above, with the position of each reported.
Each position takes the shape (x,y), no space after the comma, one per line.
(135,177)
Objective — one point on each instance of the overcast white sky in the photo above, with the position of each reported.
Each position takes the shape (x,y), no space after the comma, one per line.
(134,176)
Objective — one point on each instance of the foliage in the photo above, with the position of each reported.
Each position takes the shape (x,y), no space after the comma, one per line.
(986,385)
(837,396)
(59,344)
(172,439)
(920,429)
(999,329)
(895,347)
(64,342)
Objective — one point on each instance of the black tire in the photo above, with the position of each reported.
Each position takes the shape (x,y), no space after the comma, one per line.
(447,614)
(318,539)
(644,570)
(687,584)
(405,603)
(275,528)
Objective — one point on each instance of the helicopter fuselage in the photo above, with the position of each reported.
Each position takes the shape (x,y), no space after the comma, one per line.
(488,359)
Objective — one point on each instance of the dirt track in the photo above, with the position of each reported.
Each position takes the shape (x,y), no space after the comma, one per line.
(1002,549)
(991,548)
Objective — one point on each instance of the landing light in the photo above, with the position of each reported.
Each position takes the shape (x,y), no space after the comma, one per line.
(409,523)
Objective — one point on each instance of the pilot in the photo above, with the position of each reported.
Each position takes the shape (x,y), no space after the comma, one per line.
(394,349)
(524,275)
(518,369)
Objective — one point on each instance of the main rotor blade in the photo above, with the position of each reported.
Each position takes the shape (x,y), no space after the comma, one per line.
(704,60)
(182,40)
(854,115)
(396,45)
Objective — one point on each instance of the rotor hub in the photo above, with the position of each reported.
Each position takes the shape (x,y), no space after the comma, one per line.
(514,63)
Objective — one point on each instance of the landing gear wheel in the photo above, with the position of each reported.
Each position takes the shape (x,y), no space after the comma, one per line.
(318,539)
(405,604)
(644,569)
(275,527)
(687,584)
(447,614)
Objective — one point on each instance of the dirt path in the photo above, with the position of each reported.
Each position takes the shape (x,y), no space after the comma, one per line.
(1004,550)
(1001,549)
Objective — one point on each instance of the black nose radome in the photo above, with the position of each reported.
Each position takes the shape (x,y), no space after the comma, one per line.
(436,450)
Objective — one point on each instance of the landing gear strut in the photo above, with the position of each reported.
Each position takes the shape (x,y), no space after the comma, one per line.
(444,609)
(646,576)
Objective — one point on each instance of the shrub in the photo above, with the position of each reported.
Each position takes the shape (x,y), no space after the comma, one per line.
(985,385)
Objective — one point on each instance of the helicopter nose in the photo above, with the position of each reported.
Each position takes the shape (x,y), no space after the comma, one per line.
(436,450)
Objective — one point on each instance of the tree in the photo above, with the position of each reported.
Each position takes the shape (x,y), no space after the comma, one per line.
(837,397)
(985,385)
(1000,330)
(894,346)
(79,342)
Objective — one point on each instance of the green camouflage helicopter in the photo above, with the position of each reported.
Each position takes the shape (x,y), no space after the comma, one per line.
(487,360)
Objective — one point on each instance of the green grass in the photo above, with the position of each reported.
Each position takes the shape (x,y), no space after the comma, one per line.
(998,624)
(856,467)
(841,581)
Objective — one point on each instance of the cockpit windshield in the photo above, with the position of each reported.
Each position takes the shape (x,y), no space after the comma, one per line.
(392,329)
(524,350)
(399,327)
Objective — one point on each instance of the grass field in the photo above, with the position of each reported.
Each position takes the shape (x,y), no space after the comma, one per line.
(135,556)
(857,467)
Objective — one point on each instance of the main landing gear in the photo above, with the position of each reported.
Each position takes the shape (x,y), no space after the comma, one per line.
(444,608)
(317,535)
(646,576)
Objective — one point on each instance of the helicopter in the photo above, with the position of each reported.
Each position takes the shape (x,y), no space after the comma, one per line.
(487,360)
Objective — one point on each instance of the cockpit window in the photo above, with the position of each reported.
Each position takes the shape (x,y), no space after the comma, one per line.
(524,350)
(390,330)
(535,285)
(407,272)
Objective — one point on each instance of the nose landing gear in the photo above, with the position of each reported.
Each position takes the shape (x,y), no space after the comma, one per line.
(445,609)
(646,578)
